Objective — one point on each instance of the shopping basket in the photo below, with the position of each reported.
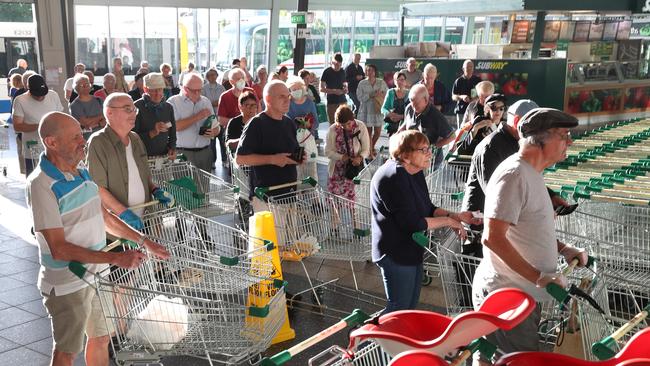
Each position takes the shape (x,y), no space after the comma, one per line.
(195,303)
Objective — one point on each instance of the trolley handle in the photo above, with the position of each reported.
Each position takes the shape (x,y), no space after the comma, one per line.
(356,317)
(604,349)
(260,192)
(560,294)
(80,270)
(481,345)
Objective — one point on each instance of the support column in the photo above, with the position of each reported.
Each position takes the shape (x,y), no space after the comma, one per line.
(55,27)
(299,48)
(540,23)
(274,34)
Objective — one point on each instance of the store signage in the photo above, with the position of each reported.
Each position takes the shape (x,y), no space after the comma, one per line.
(491,65)
(646,7)
(302,17)
(399,65)
(303,33)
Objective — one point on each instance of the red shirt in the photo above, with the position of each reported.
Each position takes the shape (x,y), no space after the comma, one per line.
(229,104)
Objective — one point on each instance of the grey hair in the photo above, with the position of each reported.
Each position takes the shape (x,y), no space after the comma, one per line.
(539,139)
(77,78)
(418,90)
(429,68)
(486,87)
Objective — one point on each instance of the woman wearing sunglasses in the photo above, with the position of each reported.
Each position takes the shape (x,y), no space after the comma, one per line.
(482,126)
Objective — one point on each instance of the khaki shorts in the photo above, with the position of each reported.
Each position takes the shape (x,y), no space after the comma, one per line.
(74,314)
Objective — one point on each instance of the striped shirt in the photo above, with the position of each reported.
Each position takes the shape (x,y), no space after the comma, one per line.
(71,202)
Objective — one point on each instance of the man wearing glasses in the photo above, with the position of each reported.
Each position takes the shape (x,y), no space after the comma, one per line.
(117,162)
(520,246)
(192,110)
(422,115)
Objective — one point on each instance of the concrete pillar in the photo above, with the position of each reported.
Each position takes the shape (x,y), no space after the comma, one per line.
(55,25)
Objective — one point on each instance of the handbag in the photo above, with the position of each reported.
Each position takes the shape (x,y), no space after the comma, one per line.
(351,170)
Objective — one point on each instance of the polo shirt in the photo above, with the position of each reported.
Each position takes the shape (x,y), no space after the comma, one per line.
(184,108)
(108,166)
(71,202)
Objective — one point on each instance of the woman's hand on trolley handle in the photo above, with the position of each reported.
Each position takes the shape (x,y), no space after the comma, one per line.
(468,217)
(446,221)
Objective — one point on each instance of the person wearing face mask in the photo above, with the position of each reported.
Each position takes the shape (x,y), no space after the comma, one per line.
(155,122)
(302,111)
(229,100)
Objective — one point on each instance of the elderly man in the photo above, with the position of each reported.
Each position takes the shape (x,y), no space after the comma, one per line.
(69,86)
(28,109)
(195,122)
(268,142)
(353,75)
(117,161)
(155,122)
(229,104)
(413,75)
(521,248)
(86,108)
(70,223)
(422,115)
(477,107)
(461,92)
(109,87)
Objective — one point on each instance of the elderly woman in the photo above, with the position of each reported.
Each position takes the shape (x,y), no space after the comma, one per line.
(302,111)
(86,108)
(171,87)
(261,78)
(395,103)
(438,92)
(371,92)
(401,206)
(347,140)
(109,87)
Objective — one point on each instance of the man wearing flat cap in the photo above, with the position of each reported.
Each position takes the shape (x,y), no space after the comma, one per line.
(520,246)
(155,122)
(28,109)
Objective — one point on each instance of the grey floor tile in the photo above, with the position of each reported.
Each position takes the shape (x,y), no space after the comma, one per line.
(29,277)
(6,258)
(20,295)
(23,356)
(29,253)
(8,283)
(12,244)
(6,345)
(17,266)
(4,305)
(12,316)
(35,307)
(27,333)
(43,346)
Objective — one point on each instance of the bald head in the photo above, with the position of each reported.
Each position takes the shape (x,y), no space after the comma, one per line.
(53,123)
(276,96)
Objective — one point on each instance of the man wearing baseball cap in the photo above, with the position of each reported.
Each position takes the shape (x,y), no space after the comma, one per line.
(28,109)
(521,247)
(155,122)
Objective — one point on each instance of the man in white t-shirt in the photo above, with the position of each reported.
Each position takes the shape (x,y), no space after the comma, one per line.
(520,246)
(68,87)
(69,223)
(28,109)
(117,161)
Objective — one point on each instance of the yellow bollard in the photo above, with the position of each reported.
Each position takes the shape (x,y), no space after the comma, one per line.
(262,226)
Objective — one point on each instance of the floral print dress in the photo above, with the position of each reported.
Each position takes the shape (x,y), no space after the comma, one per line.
(337,183)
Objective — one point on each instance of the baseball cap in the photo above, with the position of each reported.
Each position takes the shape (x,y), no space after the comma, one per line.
(521,107)
(36,85)
(154,80)
(542,119)
(496,98)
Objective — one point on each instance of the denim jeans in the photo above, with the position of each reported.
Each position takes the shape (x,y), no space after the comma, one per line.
(402,284)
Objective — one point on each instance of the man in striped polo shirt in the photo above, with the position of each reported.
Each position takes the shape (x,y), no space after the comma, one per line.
(70,225)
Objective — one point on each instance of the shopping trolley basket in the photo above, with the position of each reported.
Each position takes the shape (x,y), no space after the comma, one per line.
(197,190)
(158,162)
(34,151)
(195,303)
(240,178)
(363,179)
(450,177)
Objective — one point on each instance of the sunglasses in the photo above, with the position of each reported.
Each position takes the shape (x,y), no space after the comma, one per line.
(495,108)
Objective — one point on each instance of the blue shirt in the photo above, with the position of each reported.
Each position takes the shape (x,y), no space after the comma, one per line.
(302,110)
(400,203)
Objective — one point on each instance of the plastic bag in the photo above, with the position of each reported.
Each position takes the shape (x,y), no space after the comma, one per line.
(163,323)
(307,140)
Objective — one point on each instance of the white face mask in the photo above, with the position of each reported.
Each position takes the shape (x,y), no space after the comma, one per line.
(240,84)
(296,94)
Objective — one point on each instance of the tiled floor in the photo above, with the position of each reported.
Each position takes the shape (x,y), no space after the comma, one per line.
(25,337)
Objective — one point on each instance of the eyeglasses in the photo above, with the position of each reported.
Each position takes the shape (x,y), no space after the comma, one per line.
(192,90)
(126,108)
(495,108)
(425,150)
(563,136)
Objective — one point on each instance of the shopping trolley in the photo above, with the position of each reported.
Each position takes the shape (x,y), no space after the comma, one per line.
(4,145)
(318,224)
(34,151)
(450,177)
(363,179)
(158,162)
(225,309)
(197,190)
(240,178)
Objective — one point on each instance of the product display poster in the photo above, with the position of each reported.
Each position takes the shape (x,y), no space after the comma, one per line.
(623,31)
(596,31)
(566,31)
(581,33)
(609,33)
(520,31)
(552,31)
